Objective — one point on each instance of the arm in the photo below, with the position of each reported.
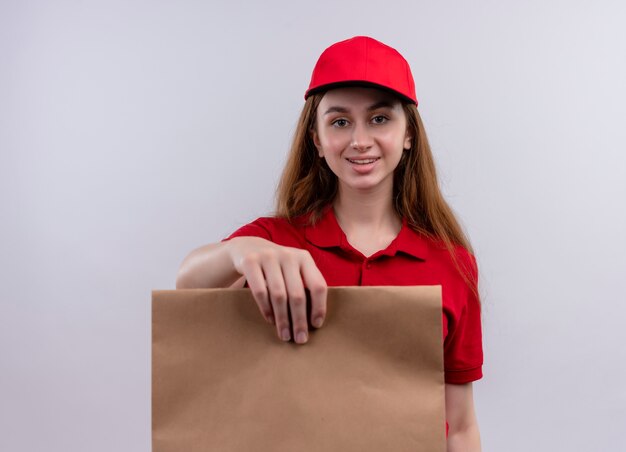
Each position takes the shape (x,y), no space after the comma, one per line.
(463,435)
(194,273)
(277,276)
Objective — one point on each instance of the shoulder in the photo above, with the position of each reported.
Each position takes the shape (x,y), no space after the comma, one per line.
(277,229)
(457,254)
(467,261)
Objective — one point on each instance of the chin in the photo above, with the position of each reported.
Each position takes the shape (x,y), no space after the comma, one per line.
(364,186)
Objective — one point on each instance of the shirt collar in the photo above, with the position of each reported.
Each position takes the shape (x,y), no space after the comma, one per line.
(327,233)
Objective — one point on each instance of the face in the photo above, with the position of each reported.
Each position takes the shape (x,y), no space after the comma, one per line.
(362,133)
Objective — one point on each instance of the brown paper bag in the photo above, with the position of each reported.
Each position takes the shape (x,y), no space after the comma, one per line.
(371,379)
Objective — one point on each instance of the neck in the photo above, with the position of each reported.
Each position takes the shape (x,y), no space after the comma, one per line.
(372,210)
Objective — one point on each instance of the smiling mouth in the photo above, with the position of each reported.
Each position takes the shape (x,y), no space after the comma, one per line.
(362,161)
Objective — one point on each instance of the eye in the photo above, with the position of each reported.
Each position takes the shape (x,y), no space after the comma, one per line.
(379,119)
(340,122)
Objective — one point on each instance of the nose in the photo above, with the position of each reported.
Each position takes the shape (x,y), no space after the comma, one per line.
(361,138)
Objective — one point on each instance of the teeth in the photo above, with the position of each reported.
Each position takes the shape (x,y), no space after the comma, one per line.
(362,162)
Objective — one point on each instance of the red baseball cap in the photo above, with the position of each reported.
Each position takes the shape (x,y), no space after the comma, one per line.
(363,61)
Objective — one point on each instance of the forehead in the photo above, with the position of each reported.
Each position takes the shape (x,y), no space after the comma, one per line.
(357,97)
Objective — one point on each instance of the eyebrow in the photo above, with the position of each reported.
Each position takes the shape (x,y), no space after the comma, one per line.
(376,106)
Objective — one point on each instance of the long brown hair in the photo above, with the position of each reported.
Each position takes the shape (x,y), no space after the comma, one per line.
(307,185)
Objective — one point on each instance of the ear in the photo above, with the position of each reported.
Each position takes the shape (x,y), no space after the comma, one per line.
(408,138)
(316,142)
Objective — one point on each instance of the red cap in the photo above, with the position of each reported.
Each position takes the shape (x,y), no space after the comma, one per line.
(363,61)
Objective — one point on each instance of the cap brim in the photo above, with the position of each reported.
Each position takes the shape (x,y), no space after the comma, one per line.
(359,83)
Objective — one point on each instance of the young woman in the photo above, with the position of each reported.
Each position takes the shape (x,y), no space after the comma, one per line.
(358,204)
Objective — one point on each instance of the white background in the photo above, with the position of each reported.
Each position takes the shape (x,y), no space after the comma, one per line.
(134,131)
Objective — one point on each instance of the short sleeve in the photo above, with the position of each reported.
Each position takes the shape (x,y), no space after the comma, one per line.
(463,352)
(254,229)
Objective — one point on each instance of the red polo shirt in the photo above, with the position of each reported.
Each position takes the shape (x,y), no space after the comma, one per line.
(410,259)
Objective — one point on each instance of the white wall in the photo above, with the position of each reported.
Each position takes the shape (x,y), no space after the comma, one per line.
(134,131)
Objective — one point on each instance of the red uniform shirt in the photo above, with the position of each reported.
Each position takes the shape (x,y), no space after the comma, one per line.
(410,259)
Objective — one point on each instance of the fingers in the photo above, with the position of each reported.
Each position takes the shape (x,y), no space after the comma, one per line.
(316,284)
(265,278)
(256,281)
(278,298)
(297,301)
(277,277)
